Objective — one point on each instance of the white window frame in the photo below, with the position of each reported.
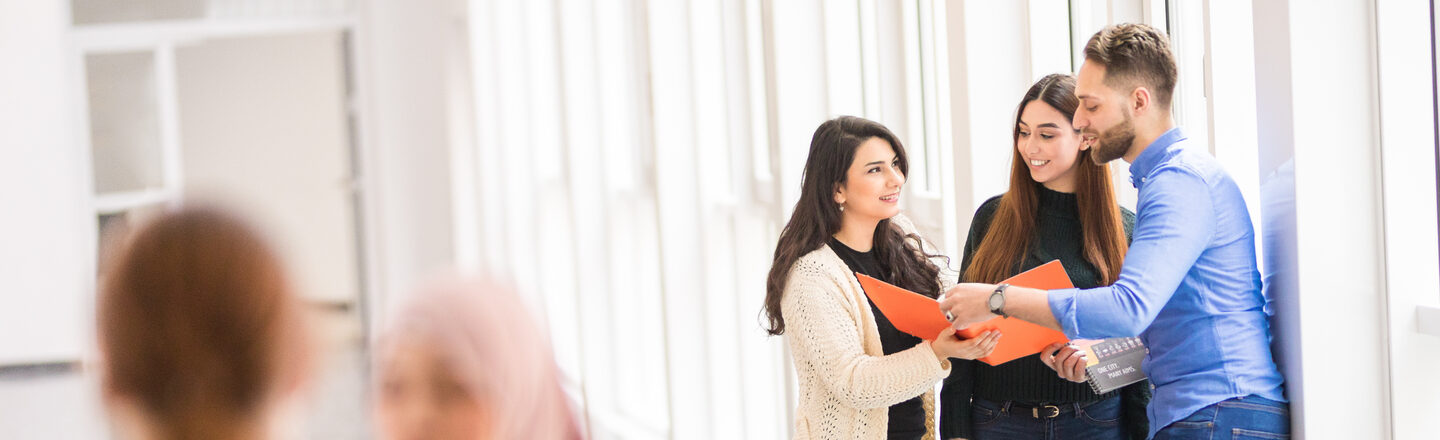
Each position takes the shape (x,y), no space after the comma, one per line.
(1050,51)
(1088,17)
(1406,44)
(924,123)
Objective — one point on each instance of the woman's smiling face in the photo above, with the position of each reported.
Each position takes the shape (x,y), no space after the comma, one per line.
(872,184)
(1049,145)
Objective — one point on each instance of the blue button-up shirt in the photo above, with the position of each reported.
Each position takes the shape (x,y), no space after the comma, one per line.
(1189,288)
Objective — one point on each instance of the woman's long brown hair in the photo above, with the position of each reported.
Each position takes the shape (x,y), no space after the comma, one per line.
(198,326)
(1007,243)
(817,217)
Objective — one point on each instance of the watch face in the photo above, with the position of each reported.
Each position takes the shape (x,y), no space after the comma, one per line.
(996,301)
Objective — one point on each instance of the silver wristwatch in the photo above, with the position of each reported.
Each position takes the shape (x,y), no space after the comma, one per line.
(997,300)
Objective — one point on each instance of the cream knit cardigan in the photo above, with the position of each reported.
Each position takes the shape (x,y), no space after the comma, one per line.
(847,383)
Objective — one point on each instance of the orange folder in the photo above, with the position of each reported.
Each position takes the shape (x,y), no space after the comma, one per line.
(920,315)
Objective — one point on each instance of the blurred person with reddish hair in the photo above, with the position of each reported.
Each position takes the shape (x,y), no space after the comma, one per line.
(200,335)
(463,359)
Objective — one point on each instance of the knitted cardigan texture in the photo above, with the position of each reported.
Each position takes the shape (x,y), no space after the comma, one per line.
(846,382)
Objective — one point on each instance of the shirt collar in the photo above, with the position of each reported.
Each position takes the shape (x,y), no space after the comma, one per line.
(1148,159)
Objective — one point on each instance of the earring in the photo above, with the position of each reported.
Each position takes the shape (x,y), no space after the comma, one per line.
(842,207)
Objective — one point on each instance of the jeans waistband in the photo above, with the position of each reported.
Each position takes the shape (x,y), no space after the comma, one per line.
(1039,410)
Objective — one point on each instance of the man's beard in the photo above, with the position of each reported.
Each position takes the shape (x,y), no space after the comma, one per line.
(1113,143)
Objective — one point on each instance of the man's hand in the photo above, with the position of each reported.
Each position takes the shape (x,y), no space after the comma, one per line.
(1065,360)
(966,304)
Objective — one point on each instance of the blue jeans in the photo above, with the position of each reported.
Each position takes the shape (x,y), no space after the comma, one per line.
(1009,420)
(1249,417)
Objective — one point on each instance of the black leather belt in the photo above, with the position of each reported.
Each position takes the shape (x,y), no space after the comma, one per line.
(1041,410)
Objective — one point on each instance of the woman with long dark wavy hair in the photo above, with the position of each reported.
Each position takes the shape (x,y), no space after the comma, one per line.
(859,376)
(1060,205)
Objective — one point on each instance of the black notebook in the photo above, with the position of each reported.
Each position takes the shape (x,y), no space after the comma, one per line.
(1112,363)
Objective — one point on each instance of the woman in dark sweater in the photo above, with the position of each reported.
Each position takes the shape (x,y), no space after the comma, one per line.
(1060,205)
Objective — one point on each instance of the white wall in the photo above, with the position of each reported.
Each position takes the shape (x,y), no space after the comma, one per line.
(47,231)
(1412,249)
(400,70)
(286,166)
(1274,102)
(1327,131)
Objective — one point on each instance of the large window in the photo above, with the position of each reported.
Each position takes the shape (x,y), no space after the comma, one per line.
(673,136)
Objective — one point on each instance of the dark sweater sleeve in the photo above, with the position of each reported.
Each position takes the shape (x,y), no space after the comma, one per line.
(960,385)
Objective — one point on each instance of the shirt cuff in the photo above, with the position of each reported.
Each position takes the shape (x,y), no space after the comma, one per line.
(1062,305)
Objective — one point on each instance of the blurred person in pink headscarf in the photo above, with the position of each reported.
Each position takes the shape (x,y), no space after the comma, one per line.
(463,359)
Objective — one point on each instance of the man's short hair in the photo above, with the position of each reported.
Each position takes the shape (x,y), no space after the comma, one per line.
(1135,55)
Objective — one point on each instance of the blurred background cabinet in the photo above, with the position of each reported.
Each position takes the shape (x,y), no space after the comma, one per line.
(248,102)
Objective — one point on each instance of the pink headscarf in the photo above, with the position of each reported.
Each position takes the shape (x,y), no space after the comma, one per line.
(487,337)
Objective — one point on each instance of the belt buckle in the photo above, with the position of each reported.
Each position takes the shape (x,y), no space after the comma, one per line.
(1054,412)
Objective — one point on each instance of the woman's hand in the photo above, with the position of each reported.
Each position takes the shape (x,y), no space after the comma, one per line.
(967,303)
(1065,359)
(948,345)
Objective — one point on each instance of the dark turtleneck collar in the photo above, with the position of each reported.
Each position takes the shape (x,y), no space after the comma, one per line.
(1056,203)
